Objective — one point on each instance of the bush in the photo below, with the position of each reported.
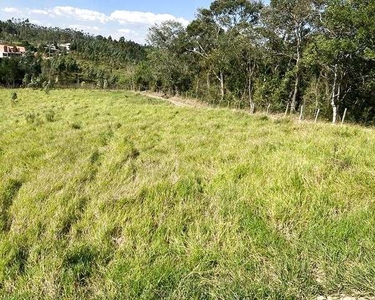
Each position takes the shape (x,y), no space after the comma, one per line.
(14,97)
(50,116)
(76,126)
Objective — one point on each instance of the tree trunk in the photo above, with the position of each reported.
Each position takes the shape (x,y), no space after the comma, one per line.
(197,88)
(293,106)
(208,82)
(333,97)
(334,115)
(250,89)
(222,91)
(250,94)
(317,92)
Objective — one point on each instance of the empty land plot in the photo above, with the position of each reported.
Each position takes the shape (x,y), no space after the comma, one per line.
(114,195)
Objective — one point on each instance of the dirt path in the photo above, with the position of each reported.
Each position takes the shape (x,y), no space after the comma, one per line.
(178,101)
(194,103)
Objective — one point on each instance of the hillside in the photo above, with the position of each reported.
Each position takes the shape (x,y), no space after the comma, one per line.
(66,57)
(112,195)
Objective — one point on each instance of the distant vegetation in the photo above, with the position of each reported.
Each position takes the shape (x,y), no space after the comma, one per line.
(111,195)
(319,55)
(93,60)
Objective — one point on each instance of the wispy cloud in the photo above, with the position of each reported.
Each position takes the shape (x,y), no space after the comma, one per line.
(138,17)
(39,12)
(37,22)
(79,14)
(124,30)
(85,28)
(11,10)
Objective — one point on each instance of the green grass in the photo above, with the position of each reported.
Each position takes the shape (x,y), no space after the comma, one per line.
(111,195)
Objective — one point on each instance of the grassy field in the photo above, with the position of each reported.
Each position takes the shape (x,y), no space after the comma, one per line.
(111,195)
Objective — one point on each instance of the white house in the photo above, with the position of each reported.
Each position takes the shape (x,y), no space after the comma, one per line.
(65,46)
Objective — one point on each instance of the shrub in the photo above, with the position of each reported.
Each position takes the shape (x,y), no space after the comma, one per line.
(14,97)
(76,126)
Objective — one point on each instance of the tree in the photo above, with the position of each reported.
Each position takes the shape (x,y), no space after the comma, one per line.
(294,21)
(217,31)
(167,58)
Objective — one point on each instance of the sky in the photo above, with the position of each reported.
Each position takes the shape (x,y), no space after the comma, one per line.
(128,18)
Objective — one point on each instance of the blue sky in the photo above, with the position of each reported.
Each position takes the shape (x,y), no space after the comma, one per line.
(130,19)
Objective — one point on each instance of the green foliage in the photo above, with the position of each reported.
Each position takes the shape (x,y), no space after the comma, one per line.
(243,53)
(90,58)
(50,115)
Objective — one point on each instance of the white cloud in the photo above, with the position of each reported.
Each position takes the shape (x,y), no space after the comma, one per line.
(85,28)
(11,10)
(37,22)
(124,30)
(146,18)
(79,14)
(39,12)
(137,35)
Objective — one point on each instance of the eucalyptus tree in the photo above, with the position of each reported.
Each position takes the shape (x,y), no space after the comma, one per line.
(294,21)
(168,59)
(219,32)
(204,41)
(344,52)
(240,20)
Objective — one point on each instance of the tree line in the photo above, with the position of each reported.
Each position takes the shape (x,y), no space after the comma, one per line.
(315,54)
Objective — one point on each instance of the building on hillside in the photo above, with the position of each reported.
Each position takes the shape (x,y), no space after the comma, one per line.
(65,46)
(9,51)
(51,48)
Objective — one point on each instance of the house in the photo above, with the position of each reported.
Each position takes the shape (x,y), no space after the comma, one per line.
(51,48)
(9,51)
(65,46)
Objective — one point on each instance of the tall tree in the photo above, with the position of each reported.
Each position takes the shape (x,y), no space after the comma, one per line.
(294,21)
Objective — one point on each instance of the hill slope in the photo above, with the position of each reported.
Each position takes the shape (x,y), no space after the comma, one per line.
(115,195)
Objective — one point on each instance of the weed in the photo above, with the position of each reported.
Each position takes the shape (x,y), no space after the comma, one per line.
(76,126)
(79,263)
(14,97)
(105,137)
(6,201)
(50,116)
(94,156)
(263,118)
(30,117)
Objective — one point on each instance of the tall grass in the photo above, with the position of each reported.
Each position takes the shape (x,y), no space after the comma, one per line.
(111,195)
